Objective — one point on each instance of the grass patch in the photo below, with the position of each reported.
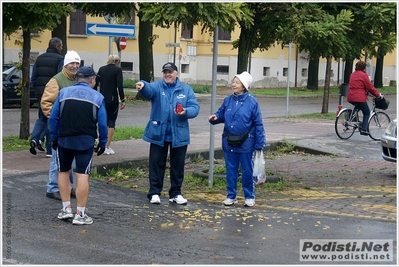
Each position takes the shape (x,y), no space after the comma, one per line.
(128,133)
(317,115)
(307,92)
(201,89)
(285,147)
(129,83)
(13,143)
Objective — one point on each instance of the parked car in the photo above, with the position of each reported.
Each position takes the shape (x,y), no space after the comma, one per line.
(389,142)
(11,78)
(7,66)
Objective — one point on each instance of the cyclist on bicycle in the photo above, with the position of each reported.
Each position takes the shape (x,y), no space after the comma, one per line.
(359,86)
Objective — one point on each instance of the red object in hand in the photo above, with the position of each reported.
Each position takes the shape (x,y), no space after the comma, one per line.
(179,108)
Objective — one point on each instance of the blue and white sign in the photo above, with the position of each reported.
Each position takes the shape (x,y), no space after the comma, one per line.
(117,30)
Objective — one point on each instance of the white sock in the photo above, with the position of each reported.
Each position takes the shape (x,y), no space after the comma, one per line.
(81,210)
(66,205)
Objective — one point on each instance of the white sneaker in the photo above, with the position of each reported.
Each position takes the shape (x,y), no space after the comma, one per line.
(229,201)
(179,199)
(155,199)
(249,202)
(109,151)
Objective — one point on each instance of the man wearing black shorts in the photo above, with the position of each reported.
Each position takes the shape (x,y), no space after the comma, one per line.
(74,138)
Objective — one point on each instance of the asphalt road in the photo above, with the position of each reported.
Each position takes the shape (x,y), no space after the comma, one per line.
(127,230)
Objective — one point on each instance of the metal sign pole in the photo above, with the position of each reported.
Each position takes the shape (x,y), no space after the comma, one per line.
(213,104)
(288,80)
(110,19)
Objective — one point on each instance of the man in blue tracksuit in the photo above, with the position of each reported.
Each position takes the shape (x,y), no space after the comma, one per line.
(240,114)
(168,127)
(77,113)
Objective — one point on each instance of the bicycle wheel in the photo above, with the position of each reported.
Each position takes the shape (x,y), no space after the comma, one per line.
(343,128)
(377,124)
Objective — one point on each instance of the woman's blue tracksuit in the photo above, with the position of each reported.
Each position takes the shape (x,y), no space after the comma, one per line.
(239,113)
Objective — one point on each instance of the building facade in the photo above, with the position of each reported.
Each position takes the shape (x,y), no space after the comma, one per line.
(194,56)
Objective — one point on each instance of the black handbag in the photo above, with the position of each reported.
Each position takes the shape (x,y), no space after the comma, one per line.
(237,140)
(381,103)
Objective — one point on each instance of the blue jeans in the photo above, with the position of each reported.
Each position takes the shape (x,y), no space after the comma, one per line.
(157,162)
(232,161)
(364,107)
(52,185)
(41,129)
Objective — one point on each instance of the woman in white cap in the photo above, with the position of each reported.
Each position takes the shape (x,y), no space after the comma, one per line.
(242,120)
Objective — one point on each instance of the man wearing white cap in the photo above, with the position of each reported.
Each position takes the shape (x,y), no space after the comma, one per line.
(242,118)
(63,79)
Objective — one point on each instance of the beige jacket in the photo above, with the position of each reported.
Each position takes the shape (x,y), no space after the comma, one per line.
(51,92)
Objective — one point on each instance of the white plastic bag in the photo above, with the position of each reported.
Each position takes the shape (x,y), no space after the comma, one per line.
(259,172)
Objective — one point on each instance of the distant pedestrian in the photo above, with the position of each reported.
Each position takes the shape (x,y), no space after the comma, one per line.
(45,67)
(359,86)
(63,79)
(74,138)
(173,104)
(241,114)
(110,80)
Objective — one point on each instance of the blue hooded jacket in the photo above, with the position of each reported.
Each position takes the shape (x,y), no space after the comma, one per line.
(163,104)
(239,113)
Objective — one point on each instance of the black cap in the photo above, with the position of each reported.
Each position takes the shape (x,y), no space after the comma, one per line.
(169,66)
(85,72)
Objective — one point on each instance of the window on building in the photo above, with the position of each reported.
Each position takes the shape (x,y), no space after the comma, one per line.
(224,35)
(186,32)
(331,73)
(132,19)
(304,72)
(222,69)
(266,71)
(34,33)
(127,66)
(185,68)
(285,72)
(77,24)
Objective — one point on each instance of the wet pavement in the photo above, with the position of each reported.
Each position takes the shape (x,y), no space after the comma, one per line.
(358,203)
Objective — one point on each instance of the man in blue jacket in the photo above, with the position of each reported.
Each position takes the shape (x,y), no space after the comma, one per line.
(173,103)
(77,113)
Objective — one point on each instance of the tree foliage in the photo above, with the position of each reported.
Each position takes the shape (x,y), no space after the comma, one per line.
(208,15)
(102,9)
(261,34)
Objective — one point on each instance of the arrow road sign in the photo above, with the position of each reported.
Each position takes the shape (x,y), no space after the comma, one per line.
(116,30)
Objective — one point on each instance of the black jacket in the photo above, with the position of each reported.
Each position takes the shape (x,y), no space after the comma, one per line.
(46,66)
(110,81)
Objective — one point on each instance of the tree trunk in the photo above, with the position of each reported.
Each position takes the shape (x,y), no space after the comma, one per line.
(244,49)
(348,70)
(326,94)
(145,51)
(313,75)
(60,32)
(145,39)
(24,131)
(378,79)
